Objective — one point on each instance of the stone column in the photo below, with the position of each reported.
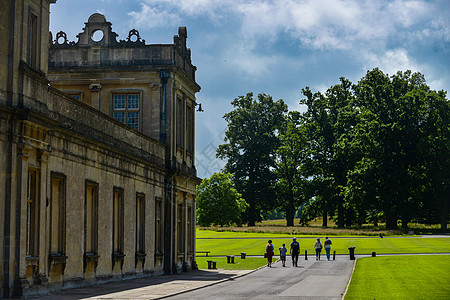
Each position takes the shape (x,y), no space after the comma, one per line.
(184,219)
(95,96)
(194,232)
(43,229)
(21,281)
(153,129)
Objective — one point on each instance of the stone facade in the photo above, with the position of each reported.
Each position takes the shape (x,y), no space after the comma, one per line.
(96,154)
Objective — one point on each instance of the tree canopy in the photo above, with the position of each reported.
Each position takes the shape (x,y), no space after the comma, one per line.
(376,150)
(250,148)
(218,203)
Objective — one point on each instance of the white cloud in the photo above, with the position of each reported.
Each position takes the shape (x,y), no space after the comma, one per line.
(149,17)
(392,61)
(319,24)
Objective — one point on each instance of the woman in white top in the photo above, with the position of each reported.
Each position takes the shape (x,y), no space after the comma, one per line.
(318,247)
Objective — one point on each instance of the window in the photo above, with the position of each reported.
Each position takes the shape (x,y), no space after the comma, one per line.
(76,96)
(118,221)
(158,226)
(179,118)
(91,218)
(190,129)
(126,109)
(58,214)
(140,223)
(32,48)
(32,237)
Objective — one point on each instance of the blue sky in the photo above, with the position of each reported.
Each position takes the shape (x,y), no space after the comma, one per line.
(277,47)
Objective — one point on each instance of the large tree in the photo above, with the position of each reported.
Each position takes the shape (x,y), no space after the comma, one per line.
(402,125)
(218,202)
(251,141)
(327,118)
(291,182)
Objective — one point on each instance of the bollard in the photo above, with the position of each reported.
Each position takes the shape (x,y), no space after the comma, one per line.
(374,254)
(243,254)
(352,253)
(334,255)
(230,259)
(306,255)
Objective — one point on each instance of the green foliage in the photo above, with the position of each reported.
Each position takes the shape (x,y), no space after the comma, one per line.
(291,184)
(401,277)
(251,142)
(233,243)
(218,203)
(377,150)
(391,149)
(327,118)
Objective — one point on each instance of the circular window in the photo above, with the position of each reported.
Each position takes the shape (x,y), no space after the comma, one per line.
(133,38)
(61,40)
(97,36)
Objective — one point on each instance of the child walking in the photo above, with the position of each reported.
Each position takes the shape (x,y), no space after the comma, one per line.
(283,251)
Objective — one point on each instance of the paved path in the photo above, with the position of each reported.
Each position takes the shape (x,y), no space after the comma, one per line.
(311,280)
(150,287)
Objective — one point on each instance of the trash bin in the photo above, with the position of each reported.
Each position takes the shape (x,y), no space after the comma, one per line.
(374,254)
(352,252)
(243,254)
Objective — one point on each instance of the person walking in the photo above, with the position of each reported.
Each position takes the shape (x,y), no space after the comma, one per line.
(295,250)
(269,251)
(283,252)
(327,245)
(318,247)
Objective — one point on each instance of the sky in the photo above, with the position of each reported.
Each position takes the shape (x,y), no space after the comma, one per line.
(277,47)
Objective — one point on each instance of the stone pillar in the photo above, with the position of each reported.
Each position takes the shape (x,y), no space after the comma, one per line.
(186,265)
(194,232)
(95,96)
(154,129)
(21,282)
(43,230)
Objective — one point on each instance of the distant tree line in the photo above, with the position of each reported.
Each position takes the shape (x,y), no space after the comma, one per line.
(374,151)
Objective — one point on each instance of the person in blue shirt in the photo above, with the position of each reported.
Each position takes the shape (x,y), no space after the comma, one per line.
(283,252)
(327,245)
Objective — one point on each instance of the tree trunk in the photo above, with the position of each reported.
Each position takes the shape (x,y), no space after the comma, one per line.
(325,218)
(290,212)
(290,217)
(341,213)
(404,223)
(444,217)
(391,222)
(251,215)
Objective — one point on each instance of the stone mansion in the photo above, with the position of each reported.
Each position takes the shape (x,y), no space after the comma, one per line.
(96,154)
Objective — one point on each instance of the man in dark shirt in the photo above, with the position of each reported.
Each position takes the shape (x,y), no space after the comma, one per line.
(295,250)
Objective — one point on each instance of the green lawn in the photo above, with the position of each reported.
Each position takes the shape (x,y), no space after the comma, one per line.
(249,263)
(401,277)
(254,244)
